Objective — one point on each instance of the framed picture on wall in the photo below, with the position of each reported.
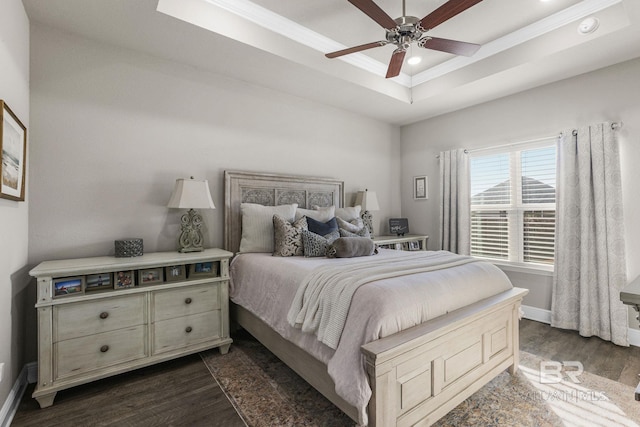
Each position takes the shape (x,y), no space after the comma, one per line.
(13,149)
(420,188)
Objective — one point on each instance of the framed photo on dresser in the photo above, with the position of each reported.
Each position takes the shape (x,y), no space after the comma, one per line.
(203,269)
(174,273)
(150,276)
(67,286)
(98,282)
(124,279)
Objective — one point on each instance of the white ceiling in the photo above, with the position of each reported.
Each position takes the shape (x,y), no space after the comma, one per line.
(280,45)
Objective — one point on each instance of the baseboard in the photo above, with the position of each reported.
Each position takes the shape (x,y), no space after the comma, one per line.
(634,337)
(32,372)
(537,314)
(544,316)
(15,395)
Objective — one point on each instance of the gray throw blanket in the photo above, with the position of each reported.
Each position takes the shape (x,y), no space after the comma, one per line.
(323,298)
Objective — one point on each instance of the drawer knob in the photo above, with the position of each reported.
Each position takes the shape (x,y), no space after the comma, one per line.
(104,348)
(104,315)
(187,301)
(189,329)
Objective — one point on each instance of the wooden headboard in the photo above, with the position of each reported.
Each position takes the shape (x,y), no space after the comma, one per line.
(273,190)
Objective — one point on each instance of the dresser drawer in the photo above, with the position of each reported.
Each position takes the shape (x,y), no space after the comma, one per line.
(91,317)
(180,302)
(81,355)
(186,331)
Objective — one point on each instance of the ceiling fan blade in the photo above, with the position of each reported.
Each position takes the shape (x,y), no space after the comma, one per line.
(449,46)
(355,49)
(445,12)
(396,63)
(374,12)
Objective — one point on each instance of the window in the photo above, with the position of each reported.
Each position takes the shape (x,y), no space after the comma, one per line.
(513,203)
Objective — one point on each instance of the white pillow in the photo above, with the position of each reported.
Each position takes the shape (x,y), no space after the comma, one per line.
(348,214)
(318,213)
(257,225)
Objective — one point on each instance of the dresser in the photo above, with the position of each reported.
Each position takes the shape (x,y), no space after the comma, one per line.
(103,316)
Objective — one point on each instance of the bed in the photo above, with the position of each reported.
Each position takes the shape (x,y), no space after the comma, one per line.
(414,375)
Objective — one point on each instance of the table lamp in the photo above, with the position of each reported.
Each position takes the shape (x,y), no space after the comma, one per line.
(191,194)
(369,202)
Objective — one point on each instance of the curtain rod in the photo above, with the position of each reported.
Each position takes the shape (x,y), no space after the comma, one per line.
(614,126)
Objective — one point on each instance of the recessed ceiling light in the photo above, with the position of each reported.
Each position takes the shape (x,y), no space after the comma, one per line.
(588,25)
(414,60)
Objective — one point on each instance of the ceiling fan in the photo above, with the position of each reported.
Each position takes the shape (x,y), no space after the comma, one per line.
(408,29)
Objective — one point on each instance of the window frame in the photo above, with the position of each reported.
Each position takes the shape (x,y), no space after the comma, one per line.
(516,209)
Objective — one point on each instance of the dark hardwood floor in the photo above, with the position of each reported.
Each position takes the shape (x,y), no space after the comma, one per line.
(180,392)
(597,356)
(183,393)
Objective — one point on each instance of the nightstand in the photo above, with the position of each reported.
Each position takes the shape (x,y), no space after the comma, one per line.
(408,242)
(103,316)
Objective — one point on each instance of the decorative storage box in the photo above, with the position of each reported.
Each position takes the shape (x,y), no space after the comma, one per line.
(128,248)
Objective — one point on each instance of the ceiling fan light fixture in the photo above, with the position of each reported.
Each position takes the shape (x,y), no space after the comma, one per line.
(405,30)
(588,25)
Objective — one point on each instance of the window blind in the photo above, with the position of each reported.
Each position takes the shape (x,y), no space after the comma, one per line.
(490,234)
(539,236)
(513,195)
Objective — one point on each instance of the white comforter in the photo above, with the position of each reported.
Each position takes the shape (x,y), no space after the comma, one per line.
(266,286)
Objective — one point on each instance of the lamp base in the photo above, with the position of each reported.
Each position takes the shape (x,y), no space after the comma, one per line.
(185,250)
(190,239)
(367,219)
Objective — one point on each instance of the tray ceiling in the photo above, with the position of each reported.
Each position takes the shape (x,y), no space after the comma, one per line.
(281,45)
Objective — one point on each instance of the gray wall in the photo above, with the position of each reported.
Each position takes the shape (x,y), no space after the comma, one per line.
(608,94)
(114,128)
(14,90)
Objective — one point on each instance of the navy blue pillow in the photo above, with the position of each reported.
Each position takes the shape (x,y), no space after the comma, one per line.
(322,228)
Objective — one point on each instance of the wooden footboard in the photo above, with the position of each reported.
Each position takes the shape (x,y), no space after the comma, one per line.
(420,374)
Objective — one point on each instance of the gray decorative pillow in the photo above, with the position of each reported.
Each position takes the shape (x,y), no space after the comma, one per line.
(288,237)
(364,232)
(353,226)
(352,247)
(316,245)
(348,213)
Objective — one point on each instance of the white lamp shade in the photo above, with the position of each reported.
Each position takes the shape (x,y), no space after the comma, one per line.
(191,194)
(368,200)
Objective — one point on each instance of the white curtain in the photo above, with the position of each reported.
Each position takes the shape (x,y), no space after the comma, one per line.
(590,266)
(455,224)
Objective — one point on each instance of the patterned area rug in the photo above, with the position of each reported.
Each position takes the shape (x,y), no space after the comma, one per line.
(266,392)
